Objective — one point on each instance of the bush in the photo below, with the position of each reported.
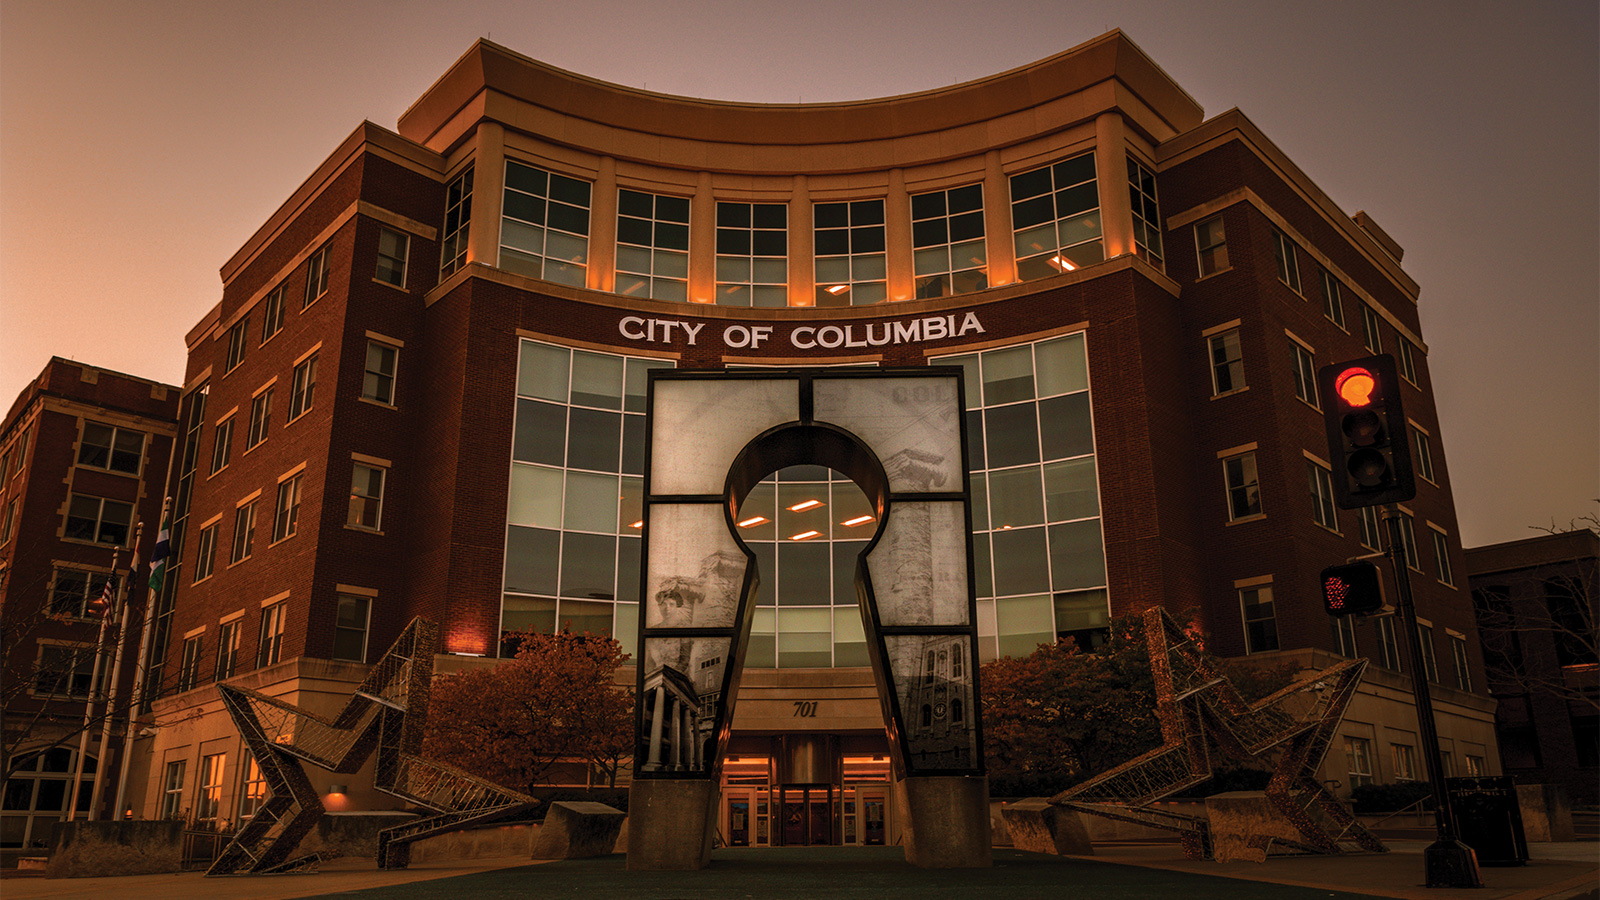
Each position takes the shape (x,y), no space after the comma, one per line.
(1370,799)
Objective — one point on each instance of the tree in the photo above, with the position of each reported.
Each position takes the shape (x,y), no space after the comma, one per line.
(511,722)
(1060,715)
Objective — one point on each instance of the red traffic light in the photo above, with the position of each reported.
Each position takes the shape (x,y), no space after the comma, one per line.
(1355,386)
(1352,589)
(1366,427)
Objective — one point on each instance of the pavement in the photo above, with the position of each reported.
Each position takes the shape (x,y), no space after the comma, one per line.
(1134,871)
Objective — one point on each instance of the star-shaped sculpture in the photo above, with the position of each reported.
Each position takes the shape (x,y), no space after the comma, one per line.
(386,714)
(1201,712)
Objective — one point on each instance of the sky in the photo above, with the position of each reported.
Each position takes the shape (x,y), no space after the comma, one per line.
(141,144)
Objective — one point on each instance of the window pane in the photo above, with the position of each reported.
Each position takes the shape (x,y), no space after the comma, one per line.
(593,440)
(543,372)
(1070,490)
(591,502)
(1023,623)
(1020,561)
(541,433)
(1012,435)
(588,566)
(804,574)
(535,614)
(1015,498)
(1066,427)
(531,558)
(535,497)
(806,638)
(596,380)
(1076,558)
(1062,366)
(1008,375)
(579,616)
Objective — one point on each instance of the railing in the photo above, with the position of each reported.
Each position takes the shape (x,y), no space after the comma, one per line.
(201,847)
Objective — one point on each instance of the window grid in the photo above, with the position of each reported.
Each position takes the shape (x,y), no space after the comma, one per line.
(208,803)
(253,791)
(66,670)
(1322,506)
(1304,368)
(1405,767)
(1260,619)
(1288,265)
(1408,364)
(1358,761)
(99,520)
(222,445)
(286,519)
(1408,541)
(112,448)
(1243,486)
(1227,363)
(205,553)
(848,242)
(270,645)
(1430,665)
(366,497)
(457,224)
(752,254)
(272,313)
(227,650)
(652,246)
(1371,528)
(172,790)
(244,532)
(377,384)
(316,277)
(1146,214)
(394,248)
(1441,553)
(1371,338)
(948,250)
(544,228)
(1055,218)
(189,668)
(1332,302)
(1211,246)
(72,589)
(350,627)
(236,344)
(260,418)
(1388,647)
(303,389)
(1424,458)
(1458,655)
(1344,636)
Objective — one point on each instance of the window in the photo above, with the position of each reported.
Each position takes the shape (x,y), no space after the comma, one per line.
(221,446)
(1288,266)
(752,254)
(205,553)
(1441,552)
(271,643)
(189,668)
(72,589)
(1322,508)
(1370,337)
(227,649)
(350,628)
(1244,488)
(260,417)
(316,277)
(1305,373)
(1430,664)
(850,262)
(1475,765)
(1408,541)
(949,256)
(1211,244)
(252,791)
(544,229)
(393,249)
(236,344)
(1408,364)
(366,497)
(272,314)
(378,383)
(244,532)
(1344,635)
(1458,655)
(652,245)
(1260,620)
(304,388)
(1358,761)
(286,520)
(1055,218)
(1424,454)
(208,805)
(1146,215)
(111,448)
(99,520)
(457,224)
(1371,528)
(172,790)
(10,522)
(1388,647)
(1405,766)
(1227,363)
(66,670)
(1332,302)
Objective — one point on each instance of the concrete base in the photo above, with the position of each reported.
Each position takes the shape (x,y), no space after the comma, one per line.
(578,830)
(670,823)
(1244,824)
(1546,812)
(945,821)
(1038,827)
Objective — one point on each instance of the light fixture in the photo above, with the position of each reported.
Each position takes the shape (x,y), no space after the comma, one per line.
(838,289)
(805,505)
(638,524)
(753,520)
(336,788)
(804,535)
(1062,263)
(858,520)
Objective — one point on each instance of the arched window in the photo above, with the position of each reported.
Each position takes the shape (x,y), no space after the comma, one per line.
(927,715)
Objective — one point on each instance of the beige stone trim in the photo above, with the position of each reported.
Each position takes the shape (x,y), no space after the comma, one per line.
(1235,451)
(1253,582)
(1218,329)
(371,460)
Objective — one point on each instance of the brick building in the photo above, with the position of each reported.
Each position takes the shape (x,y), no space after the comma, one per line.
(421,393)
(83,458)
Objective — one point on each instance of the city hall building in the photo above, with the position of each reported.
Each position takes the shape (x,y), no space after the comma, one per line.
(423,393)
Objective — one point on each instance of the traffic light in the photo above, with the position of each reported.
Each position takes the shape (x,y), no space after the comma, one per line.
(1367,439)
(1352,589)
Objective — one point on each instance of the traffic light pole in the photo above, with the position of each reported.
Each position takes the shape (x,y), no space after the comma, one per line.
(1449,863)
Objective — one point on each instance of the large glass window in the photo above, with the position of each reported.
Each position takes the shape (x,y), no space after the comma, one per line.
(316,277)
(304,388)
(652,245)
(575,507)
(111,448)
(366,497)
(1288,264)
(237,335)
(272,313)
(394,248)
(1358,760)
(1260,619)
(1243,485)
(850,262)
(1055,218)
(1227,362)
(544,228)
(222,445)
(1146,214)
(377,384)
(350,628)
(72,589)
(66,670)
(1211,246)
(1038,555)
(172,790)
(752,254)
(98,519)
(269,646)
(947,242)
(457,224)
(227,649)
(208,801)
(260,418)
(286,515)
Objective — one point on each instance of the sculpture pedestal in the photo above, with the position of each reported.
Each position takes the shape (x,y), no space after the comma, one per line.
(945,821)
(1039,827)
(670,823)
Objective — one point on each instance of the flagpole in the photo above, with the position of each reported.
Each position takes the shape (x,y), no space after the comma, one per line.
(158,570)
(123,614)
(88,706)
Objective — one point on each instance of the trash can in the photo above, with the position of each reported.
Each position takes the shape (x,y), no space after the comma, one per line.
(1489,819)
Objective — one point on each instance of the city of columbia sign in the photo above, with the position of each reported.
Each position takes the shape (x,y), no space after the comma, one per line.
(805,336)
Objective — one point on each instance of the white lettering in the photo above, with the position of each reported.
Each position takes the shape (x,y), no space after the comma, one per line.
(906,332)
(970,323)
(736,336)
(805,334)
(850,339)
(759,333)
(634,321)
(692,330)
(830,336)
(879,341)
(935,328)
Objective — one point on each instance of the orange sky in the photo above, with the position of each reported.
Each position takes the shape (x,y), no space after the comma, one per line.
(142,143)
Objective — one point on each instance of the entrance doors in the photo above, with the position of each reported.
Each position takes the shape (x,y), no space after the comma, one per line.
(806,816)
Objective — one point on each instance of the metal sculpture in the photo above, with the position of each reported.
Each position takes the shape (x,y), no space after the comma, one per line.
(386,714)
(1202,713)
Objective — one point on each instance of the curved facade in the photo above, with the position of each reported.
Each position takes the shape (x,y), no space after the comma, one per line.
(451,324)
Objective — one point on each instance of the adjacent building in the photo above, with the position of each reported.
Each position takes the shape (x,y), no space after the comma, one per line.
(421,393)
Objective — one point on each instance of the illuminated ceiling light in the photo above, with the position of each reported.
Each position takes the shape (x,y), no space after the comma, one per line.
(753,520)
(1005,527)
(838,289)
(804,535)
(638,524)
(858,520)
(1062,263)
(808,504)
